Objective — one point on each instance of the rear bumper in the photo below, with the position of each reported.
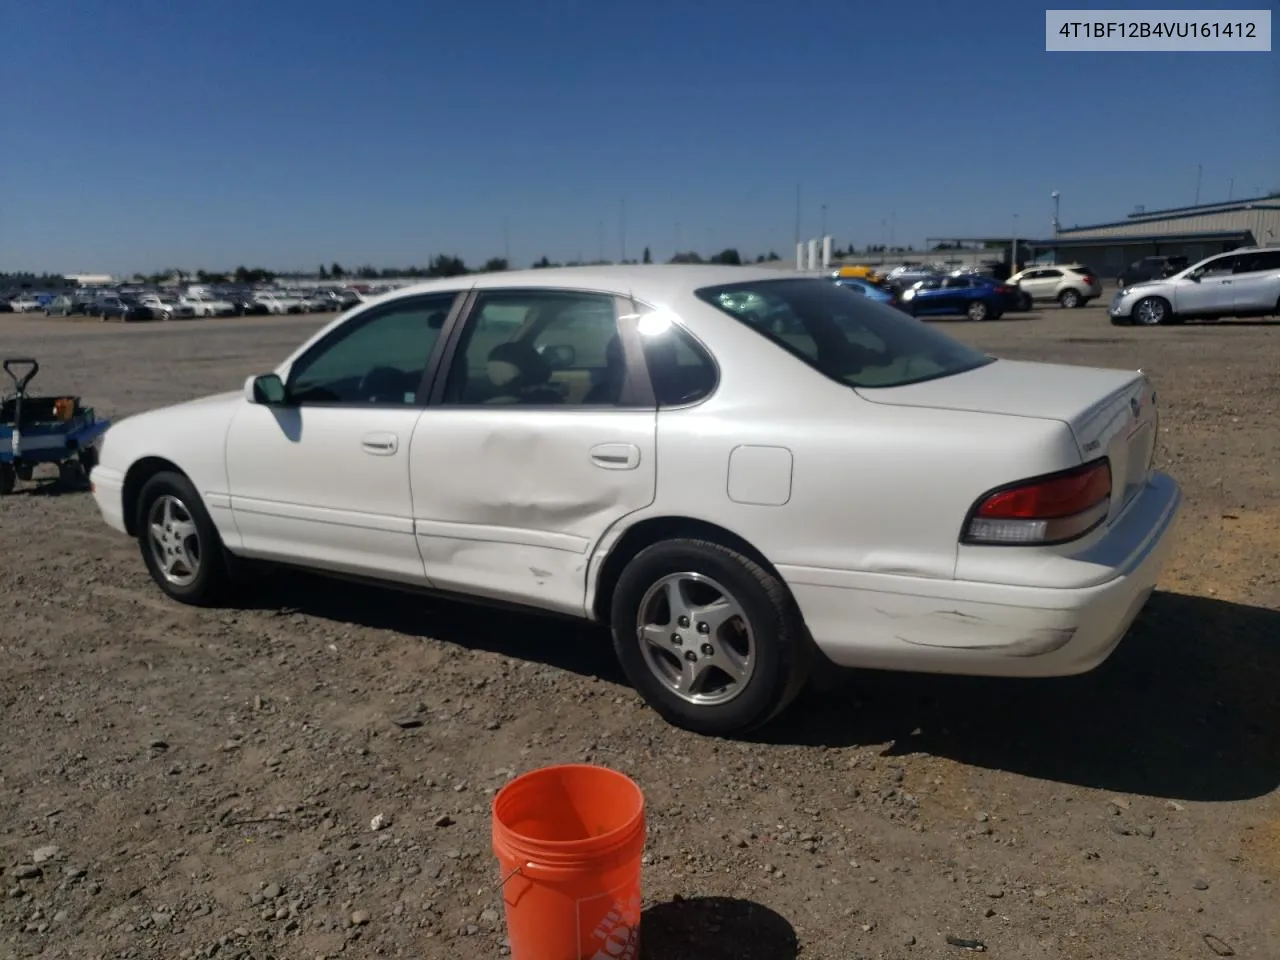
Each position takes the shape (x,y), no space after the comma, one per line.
(992,629)
(108,494)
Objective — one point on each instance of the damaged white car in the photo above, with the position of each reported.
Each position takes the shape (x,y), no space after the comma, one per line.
(740,473)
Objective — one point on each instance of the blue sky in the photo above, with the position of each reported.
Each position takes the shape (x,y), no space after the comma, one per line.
(151,134)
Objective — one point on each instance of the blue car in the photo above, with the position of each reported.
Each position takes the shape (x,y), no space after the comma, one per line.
(1015,298)
(868,290)
(956,296)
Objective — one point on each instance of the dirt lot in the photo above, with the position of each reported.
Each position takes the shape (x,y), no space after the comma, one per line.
(208,777)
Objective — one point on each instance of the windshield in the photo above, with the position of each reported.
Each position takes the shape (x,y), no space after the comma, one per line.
(842,335)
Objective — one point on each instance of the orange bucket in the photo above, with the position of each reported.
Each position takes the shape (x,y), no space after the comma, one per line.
(569,841)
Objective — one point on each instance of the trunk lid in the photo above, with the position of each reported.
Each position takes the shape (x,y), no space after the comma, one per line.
(1110,413)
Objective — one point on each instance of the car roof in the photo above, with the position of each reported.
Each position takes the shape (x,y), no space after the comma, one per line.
(648,281)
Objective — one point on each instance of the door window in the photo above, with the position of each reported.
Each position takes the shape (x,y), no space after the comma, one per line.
(952,283)
(1221,267)
(680,369)
(539,348)
(1260,261)
(378,357)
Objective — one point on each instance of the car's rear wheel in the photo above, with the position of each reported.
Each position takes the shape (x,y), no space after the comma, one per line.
(1069,299)
(712,640)
(977,311)
(179,543)
(1152,311)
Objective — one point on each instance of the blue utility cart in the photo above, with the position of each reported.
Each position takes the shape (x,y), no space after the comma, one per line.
(36,430)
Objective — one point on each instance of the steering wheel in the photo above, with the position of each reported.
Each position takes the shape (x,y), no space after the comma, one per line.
(383,385)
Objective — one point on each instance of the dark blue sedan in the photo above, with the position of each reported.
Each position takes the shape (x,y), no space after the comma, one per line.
(956,296)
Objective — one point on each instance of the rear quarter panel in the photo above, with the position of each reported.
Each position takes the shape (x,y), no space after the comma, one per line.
(874,488)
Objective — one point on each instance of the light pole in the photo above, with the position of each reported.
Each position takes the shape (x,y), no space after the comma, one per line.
(824,221)
(1056,197)
(1013,249)
(1199,173)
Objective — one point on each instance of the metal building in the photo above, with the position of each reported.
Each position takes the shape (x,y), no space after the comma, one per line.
(1193,232)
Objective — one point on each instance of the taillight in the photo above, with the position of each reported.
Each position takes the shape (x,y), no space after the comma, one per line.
(1004,289)
(1088,279)
(1043,510)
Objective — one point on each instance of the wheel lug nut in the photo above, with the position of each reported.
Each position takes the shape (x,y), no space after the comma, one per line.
(683,621)
(677,639)
(690,656)
(707,650)
(704,627)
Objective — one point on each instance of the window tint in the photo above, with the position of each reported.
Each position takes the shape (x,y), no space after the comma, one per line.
(1259,261)
(680,369)
(952,282)
(848,338)
(378,357)
(539,347)
(1084,271)
(1048,274)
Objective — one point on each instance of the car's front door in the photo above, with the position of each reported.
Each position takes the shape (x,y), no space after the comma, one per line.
(1211,293)
(540,438)
(322,478)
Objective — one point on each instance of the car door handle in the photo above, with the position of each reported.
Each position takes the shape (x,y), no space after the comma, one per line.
(380,444)
(616,456)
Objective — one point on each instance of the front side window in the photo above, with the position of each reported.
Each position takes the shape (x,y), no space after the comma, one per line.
(848,338)
(1219,267)
(539,348)
(375,358)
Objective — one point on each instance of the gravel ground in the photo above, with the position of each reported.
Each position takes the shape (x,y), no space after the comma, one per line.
(191,783)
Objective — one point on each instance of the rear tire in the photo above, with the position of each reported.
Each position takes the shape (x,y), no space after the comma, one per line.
(1069,299)
(978,311)
(8,479)
(179,543)
(753,626)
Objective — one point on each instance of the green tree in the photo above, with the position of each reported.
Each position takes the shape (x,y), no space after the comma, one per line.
(336,271)
(443,265)
(541,263)
(324,274)
(688,256)
(729,256)
(495,265)
(646,258)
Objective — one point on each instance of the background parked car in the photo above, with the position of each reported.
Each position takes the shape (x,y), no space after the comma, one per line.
(962,296)
(1070,284)
(25,303)
(1150,268)
(120,308)
(1014,297)
(68,305)
(872,291)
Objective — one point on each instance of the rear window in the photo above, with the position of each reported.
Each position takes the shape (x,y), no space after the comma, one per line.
(848,338)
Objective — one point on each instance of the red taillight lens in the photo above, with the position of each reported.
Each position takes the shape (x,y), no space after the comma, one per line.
(1088,279)
(1003,289)
(1052,509)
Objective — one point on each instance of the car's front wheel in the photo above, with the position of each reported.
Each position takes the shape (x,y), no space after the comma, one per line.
(1152,311)
(712,640)
(179,543)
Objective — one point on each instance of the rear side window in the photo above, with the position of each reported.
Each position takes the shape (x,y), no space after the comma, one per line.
(1258,262)
(851,339)
(1085,271)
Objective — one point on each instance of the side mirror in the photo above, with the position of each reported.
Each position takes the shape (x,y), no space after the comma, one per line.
(559,356)
(266,389)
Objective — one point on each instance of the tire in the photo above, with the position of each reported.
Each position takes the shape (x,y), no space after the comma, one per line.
(8,479)
(1069,300)
(169,500)
(1025,303)
(977,311)
(779,652)
(1151,311)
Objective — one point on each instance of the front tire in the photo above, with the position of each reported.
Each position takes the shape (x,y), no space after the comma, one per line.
(1152,311)
(710,639)
(179,543)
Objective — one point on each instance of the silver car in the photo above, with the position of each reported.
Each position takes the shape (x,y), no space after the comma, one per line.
(1242,283)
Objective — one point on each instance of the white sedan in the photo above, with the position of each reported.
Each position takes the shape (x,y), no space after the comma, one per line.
(740,472)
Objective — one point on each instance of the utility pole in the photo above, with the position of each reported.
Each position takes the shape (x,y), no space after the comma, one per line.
(1056,197)
(797,213)
(600,240)
(506,241)
(622,230)
(823,232)
(1199,172)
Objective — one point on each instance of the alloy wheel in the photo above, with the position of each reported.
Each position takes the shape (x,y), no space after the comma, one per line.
(174,539)
(696,638)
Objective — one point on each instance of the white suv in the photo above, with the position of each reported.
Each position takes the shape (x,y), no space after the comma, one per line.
(1071,284)
(1242,283)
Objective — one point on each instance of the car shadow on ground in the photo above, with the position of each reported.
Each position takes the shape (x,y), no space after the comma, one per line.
(715,928)
(1186,708)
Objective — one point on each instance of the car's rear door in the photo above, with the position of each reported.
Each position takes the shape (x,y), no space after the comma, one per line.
(1256,282)
(541,436)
